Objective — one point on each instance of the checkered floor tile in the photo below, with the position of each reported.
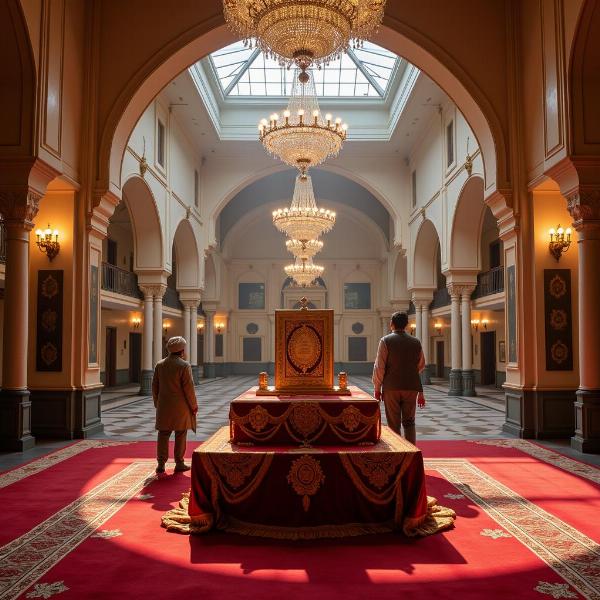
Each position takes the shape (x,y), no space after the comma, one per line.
(444,417)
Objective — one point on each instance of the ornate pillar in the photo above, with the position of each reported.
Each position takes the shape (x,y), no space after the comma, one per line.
(209,344)
(468,377)
(455,336)
(425,375)
(186,328)
(157,351)
(584,206)
(18,210)
(193,341)
(147,362)
(418,319)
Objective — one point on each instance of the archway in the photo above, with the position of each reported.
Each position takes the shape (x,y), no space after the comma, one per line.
(424,260)
(147,230)
(187,257)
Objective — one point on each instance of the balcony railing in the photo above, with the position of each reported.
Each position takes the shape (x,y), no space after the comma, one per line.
(490,282)
(120,281)
(2,243)
(171,299)
(441,298)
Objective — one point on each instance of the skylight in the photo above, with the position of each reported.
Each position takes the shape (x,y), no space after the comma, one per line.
(361,73)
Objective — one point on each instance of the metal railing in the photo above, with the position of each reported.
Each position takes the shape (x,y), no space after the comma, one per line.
(490,282)
(120,281)
(441,298)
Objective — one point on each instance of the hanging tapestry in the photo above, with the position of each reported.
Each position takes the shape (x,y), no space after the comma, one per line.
(49,321)
(559,326)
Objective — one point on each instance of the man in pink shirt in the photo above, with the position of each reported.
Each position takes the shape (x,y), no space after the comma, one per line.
(396,378)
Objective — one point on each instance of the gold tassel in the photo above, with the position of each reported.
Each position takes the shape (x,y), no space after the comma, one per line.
(438,518)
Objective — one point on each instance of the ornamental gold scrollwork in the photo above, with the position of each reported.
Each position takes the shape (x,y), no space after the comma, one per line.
(306,477)
(236,468)
(306,418)
(258,418)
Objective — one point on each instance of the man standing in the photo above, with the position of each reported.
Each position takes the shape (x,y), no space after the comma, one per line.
(175,403)
(396,378)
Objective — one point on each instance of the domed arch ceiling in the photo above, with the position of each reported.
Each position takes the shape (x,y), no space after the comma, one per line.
(280,187)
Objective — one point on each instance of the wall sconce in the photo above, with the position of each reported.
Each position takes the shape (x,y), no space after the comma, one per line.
(438,328)
(200,326)
(413,327)
(475,324)
(219,325)
(166,326)
(47,241)
(484,322)
(560,240)
(136,322)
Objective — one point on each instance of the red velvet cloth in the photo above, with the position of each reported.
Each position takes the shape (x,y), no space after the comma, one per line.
(313,419)
(291,488)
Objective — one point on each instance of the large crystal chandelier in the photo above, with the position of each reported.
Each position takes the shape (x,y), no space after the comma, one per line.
(304,271)
(304,249)
(303,222)
(304,32)
(302,138)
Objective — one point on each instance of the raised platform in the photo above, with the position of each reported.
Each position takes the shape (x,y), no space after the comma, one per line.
(294,493)
(307,420)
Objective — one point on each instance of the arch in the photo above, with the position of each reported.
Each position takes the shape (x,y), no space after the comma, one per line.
(466,226)
(210,279)
(424,258)
(187,257)
(146,225)
(585,83)
(200,37)
(17,82)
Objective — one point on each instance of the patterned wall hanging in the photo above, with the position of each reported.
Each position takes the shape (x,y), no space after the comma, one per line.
(93,331)
(511,316)
(559,326)
(49,321)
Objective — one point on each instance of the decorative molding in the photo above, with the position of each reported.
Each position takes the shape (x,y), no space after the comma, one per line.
(460,289)
(584,205)
(19,207)
(156,290)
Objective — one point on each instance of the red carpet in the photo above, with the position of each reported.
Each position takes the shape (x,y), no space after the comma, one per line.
(537,537)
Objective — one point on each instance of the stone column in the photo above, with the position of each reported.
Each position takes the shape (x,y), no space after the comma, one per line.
(584,206)
(425,375)
(193,341)
(455,336)
(18,211)
(468,377)
(147,363)
(157,352)
(186,329)
(209,344)
(418,319)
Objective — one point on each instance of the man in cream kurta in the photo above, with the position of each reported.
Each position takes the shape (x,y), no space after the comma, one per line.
(396,378)
(175,402)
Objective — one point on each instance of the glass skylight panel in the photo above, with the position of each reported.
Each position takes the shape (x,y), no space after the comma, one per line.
(245,72)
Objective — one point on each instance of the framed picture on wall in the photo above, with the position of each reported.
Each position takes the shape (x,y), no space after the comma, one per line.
(502,351)
(357,296)
(252,296)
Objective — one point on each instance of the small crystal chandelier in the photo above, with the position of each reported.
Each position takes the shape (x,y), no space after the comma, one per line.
(304,32)
(304,249)
(303,138)
(304,271)
(303,221)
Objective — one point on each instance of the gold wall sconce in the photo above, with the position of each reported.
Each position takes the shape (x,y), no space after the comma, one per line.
(560,240)
(136,322)
(413,327)
(47,241)
(166,326)
(438,328)
(475,323)
(219,326)
(200,326)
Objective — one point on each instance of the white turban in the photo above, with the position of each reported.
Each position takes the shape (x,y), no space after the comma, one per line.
(176,344)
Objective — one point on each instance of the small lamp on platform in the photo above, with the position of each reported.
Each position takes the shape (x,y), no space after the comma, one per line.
(47,241)
(343,380)
(263,380)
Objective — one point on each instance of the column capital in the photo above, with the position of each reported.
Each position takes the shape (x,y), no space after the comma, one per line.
(19,207)
(583,204)
(460,290)
(153,289)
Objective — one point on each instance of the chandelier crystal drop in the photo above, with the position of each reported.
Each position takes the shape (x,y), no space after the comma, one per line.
(302,138)
(303,220)
(304,32)
(304,271)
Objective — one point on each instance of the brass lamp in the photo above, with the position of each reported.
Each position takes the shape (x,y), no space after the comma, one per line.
(47,241)
(560,240)
(438,328)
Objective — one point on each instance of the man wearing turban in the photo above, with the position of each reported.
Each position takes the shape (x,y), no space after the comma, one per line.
(175,402)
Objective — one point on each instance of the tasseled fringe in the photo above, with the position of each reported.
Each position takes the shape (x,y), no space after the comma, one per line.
(438,518)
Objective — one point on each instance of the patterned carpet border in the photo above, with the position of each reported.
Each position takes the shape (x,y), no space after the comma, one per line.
(573,555)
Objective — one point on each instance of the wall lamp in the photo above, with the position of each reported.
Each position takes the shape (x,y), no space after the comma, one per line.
(136,322)
(413,327)
(438,328)
(200,325)
(475,323)
(166,326)
(560,240)
(47,241)
(219,325)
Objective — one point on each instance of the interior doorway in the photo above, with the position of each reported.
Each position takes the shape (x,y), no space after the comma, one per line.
(135,357)
(110,362)
(439,359)
(200,348)
(488,358)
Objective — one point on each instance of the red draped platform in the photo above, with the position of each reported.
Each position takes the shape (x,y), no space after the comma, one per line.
(305,419)
(305,493)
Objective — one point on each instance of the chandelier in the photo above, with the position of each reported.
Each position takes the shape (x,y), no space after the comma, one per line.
(303,138)
(304,271)
(303,221)
(304,249)
(304,32)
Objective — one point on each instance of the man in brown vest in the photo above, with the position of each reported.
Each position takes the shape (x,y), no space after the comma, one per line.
(396,378)
(175,402)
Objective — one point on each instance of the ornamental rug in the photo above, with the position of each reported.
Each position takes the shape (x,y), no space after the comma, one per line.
(84,522)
